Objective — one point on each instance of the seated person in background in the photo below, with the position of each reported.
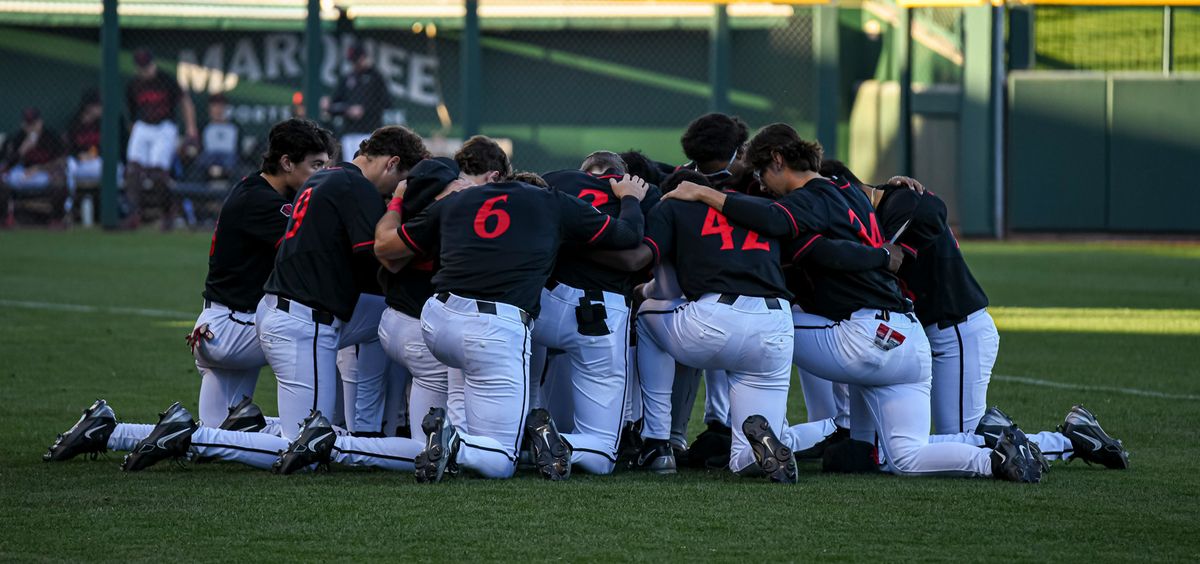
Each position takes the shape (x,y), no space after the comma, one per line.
(83,141)
(219,142)
(32,159)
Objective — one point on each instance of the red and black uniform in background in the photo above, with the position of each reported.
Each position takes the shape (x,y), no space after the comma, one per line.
(153,100)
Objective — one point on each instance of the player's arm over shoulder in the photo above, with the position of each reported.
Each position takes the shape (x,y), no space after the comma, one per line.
(582,222)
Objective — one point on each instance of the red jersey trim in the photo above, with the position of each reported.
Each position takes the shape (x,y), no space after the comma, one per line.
(805,247)
(795,228)
(363,244)
(607,176)
(408,240)
(654,246)
(607,220)
(909,249)
(277,243)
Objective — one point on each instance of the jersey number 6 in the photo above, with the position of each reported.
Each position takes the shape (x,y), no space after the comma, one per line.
(716,224)
(486,211)
(298,213)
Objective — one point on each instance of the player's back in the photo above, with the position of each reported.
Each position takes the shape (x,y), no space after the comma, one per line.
(572,267)
(713,255)
(498,242)
(242,254)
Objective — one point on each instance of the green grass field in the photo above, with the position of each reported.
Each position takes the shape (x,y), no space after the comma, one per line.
(1122,338)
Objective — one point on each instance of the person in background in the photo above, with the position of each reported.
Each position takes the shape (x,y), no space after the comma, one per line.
(219,141)
(31,159)
(152,97)
(84,163)
(359,99)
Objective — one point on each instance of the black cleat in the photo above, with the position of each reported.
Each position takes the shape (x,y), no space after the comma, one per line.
(655,456)
(245,417)
(631,441)
(551,453)
(1013,458)
(711,447)
(89,435)
(772,456)
(817,451)
(170,439)
(992,425)
(313,446)
(1090,442)
(404,431)
(441,448)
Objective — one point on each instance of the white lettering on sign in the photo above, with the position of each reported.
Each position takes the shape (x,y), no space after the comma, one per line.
(279,57)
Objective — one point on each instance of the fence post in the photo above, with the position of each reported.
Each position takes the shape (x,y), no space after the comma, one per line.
(315,58)
(1168,46)
(977,127)
(902,47)
(718,60)
(110,123)
(1022,52)
(829,103)
(470,60)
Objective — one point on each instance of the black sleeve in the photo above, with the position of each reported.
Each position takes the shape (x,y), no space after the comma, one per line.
(846,256)
(653,196)
(660,232)
(784,219)
(267,222)
(366,272)
(582,222)
(925,214)
(421,233)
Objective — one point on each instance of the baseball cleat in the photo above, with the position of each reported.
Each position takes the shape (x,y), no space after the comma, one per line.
(441,448)
(772,456)
(711,447)
(170,438)
(89,435)
(631,441)
(245,417)
(1013,458)
(1090,442)
(313,446)
(655,456)
(551,453)
(992,425)
(817,451)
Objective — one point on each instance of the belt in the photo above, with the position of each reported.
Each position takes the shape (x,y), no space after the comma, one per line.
(885,315)
(209,303)
(592,295)
(729,299)
(318,315)
(951,322)
(487,307)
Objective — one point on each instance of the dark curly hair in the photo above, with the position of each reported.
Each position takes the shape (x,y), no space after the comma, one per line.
(481,154)
(531,178)
(782,139)
(713,137)
(296,138)
(639,164)
(684,174)
(395,141)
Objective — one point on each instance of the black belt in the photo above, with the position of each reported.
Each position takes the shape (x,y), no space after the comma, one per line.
(951,323)
(729,299)
(591,295)
(885,315)
(209,303)
(318,315)
(487,307)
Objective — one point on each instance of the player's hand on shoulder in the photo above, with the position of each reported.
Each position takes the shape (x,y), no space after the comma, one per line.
(910,183)
(895,256)
(629,185)
(456,185)
(400,189)
(687,191)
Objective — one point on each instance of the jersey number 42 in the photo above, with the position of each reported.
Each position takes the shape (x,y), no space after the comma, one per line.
(716,224)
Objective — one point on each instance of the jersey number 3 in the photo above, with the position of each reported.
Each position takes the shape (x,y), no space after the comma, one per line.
(716,224)
(487,210)
(298,213)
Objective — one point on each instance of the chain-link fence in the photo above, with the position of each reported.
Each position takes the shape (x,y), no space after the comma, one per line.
(1115,38)
(198,95)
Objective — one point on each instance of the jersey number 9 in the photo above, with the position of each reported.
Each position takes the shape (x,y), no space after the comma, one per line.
(298,213)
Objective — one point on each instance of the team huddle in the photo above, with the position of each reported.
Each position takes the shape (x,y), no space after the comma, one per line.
(454,317)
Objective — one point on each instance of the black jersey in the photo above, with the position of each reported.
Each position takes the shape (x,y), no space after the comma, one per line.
(242,254)
(327,255)
(934,275)
(498,241)
(573,268)
(820,209)
(406,291)
(712,255)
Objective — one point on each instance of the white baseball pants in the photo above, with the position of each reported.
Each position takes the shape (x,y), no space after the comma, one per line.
(153,146)
(490,343)
(303,354)
(228,363)
(433,383)
(963,357)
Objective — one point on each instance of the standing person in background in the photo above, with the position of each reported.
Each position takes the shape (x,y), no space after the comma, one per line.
(359,99)
(32,159)
(151,98)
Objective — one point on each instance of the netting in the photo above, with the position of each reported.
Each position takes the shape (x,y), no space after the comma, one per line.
(1114,38)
